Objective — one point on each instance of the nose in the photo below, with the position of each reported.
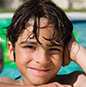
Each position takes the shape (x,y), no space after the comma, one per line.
(40,56)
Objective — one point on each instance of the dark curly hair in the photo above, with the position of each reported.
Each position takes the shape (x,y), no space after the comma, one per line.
(37,9)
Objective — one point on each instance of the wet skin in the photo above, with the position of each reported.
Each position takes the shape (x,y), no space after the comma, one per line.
(37,63)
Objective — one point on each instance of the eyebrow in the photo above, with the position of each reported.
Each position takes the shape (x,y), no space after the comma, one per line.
(28,42)
(50,45)
(33,42)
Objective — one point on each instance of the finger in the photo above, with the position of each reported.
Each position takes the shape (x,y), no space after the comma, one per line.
(54,84)
(58,85)
(4,79)
(61,85)
(67,86)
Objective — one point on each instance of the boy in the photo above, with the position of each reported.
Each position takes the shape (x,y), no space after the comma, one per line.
(40,41)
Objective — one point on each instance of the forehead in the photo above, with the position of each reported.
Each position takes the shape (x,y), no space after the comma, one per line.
(45,27)
(46,30)
(44,22)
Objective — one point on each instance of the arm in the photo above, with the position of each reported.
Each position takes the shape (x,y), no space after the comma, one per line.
(78,54)
(47,85)
(12,83)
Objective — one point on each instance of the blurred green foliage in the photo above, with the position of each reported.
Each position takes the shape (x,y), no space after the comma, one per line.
(4,23)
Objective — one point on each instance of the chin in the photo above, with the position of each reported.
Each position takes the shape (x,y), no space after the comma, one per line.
(38,81)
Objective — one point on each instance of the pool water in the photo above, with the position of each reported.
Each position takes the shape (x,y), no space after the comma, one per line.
(80,28)
(10,69)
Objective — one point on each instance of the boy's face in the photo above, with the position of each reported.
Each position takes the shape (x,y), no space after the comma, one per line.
(37,63)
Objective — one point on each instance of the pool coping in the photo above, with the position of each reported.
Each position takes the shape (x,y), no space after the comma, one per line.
(71,15)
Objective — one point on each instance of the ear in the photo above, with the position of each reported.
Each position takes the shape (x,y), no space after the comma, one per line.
(10,51)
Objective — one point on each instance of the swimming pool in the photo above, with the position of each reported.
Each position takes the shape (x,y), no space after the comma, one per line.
(80,28)
(10,70)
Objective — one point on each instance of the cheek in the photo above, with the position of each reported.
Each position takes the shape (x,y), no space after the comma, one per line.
(23,57)
(57,61)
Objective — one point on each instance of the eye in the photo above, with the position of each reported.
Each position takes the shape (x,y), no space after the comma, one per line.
(30,47)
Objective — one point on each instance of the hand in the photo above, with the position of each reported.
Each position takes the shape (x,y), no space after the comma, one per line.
(12,83)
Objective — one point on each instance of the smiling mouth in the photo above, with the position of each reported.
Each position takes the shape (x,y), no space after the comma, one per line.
(39,69)
(38,72)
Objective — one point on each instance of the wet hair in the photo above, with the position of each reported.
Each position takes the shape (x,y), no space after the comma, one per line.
(37,9)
